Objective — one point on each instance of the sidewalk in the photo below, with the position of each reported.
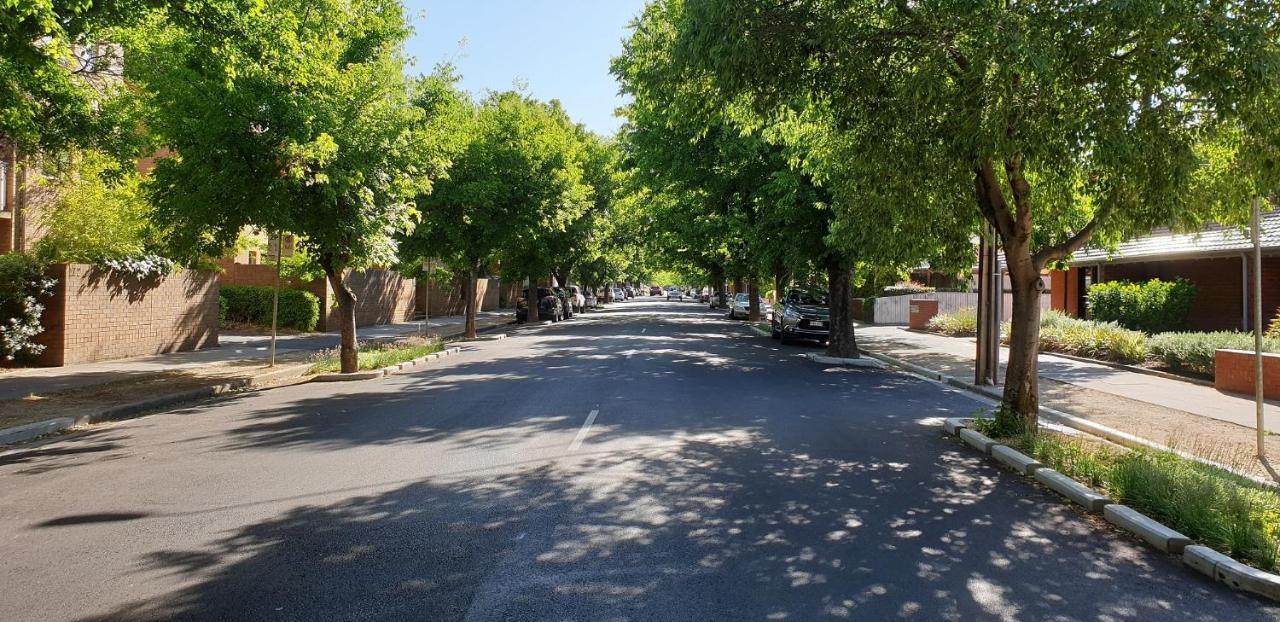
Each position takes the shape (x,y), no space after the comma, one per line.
(232,348)
(1190,416)
(28,396)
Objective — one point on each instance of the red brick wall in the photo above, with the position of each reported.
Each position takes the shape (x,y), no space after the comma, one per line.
(922,310)
(447,299)
(98,316)
(382,296)
(1233,372)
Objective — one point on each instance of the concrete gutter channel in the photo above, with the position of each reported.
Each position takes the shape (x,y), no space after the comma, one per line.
(1211,563)
(284,376)
(1207,561)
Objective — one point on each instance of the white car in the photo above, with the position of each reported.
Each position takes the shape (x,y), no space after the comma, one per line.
(740,306)
(675,293)
(575,296)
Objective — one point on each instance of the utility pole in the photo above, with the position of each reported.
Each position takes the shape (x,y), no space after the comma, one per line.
(275,300)
(990,294)
(1259,397)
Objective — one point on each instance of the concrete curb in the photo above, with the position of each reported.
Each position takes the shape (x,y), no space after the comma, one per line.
(1203,559)
(760,331)
(977,440)
(845,362)
(1075,491)
(1016,460)
(374,374)
(1145,527)
(30,431)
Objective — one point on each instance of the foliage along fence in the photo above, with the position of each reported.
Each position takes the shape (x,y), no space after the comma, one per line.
(382,296)
(897,309)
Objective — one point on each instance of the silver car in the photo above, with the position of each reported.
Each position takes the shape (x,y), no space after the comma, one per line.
(740,306)
(802,315)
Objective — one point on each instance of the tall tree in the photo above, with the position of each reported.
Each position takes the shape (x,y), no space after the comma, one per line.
(1058,121)
(60,74)
(516,179)
(288,115)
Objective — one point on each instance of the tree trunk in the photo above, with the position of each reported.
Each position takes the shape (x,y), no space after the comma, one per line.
(350,350)
(532,315)
(843,342)
(779,279)
(753,307)
(737,285)
(717,290)
(469,294)
(1021,389)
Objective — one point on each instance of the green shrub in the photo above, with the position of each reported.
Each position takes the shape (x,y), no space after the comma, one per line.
(1154,306)
(251,304)
(222,309)
(1194,351)
(22,284)
(962,323)
(1106,341)
(906,288)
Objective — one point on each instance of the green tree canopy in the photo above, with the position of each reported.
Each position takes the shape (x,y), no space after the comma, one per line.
(288,115)
(1058,122)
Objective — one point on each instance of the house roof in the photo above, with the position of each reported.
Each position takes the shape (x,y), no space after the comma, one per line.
(1212,240)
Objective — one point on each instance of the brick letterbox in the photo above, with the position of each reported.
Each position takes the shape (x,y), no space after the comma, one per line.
(922,310)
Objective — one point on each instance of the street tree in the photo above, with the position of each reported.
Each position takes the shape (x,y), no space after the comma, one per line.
(515,181)
(286,115)
(1061,123)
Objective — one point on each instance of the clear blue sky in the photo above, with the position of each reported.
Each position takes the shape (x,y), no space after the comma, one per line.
(559,49)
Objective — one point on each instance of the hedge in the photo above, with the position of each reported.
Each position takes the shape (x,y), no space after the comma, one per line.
(962,323)
(1194,351)
(1152,307)
(251,304)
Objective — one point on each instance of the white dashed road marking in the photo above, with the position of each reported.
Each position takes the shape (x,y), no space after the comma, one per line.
(582,433)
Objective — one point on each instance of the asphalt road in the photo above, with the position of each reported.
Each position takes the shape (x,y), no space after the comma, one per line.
(650,462)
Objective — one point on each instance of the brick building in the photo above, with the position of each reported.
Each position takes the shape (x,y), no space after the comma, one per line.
(1217,259)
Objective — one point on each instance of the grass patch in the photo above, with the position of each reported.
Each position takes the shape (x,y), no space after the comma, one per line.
(1216,508)
(377,355)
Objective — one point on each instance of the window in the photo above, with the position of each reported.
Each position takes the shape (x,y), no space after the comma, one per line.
(253,258)
(4,185)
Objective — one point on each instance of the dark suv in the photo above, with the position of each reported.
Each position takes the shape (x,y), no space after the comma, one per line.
(549,306)
(802,315)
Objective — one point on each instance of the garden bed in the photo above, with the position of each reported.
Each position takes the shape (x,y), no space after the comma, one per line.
(377,355)
(1216,508)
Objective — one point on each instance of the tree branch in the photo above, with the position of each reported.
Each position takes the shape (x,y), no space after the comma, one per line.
(1072,244)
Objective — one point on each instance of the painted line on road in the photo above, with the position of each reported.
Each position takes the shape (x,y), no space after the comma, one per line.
(582,433)
(642,330)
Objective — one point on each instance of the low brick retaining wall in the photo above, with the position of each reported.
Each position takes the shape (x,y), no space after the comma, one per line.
(1233,372)
(382,296)
(97,315)
(922,310)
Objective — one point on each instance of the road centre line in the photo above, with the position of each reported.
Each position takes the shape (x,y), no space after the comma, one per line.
(582,433)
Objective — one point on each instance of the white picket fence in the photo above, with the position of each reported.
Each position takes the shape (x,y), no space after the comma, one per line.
(897,309)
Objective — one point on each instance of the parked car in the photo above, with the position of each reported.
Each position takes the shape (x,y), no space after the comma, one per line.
(618,295)
(589,299)
(804,315)
(549,306)
(719,300)
(740,306)
(578,300)
(654,290)
(566,300)
(675,292)
(631,291)
(704,296)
